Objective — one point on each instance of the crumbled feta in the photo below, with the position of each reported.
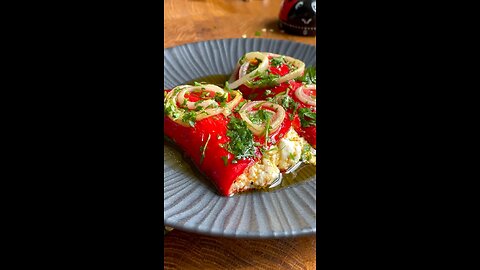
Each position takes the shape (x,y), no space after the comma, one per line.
(288,152)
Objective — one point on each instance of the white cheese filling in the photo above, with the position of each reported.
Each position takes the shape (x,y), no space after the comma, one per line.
(289,151)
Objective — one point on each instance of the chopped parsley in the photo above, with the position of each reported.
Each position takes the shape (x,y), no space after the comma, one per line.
(306,152)
(277,61)
(307,117)
(205,94)
(203,148)
(171,109)
(241,139)
(264,79)
(309,76)
(227,87)
(260,117)
(225,160)
(241,60)
(221,98)
(240,105)
(189,117)
(288,103)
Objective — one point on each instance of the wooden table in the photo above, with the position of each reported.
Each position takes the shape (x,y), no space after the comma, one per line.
(197,20)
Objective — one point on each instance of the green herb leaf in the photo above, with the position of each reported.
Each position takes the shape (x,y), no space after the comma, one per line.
(264,79)
(260,117)
(307,117)
(225,160)
(309,76)
(241,139)
(189,117)
(239,106)
(277,61)
(203,148)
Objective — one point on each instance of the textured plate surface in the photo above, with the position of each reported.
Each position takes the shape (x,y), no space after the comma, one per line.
(191,203)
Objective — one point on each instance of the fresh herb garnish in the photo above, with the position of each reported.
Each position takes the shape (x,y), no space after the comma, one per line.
(221,98)
(205,94)
(203,148)
(264,79)
(309,76)
(267,129)
(225,160)
(259,117)
(241,60)
(190,118)
(277,61)
(227,87)
(241,139)
(306,152)
(307,117)
(288,103)
(239,106)
(171,110)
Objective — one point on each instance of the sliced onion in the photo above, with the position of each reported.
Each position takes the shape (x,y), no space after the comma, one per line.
(242,71)
(177,95)
(208,87)
(304,98)
(276,121)
(233,102)
(292,75)
(263,66)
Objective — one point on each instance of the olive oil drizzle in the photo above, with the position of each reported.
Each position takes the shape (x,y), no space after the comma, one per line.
(302,173)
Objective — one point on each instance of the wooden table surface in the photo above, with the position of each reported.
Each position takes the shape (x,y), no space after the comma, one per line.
(189,21)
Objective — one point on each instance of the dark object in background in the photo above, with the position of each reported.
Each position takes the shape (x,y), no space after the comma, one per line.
(298,17)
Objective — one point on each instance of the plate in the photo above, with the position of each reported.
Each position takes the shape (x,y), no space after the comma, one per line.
(190,202)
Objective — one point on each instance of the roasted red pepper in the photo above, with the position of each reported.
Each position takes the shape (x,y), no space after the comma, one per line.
(206,145)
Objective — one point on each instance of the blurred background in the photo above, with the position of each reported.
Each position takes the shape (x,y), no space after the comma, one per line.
(189,21)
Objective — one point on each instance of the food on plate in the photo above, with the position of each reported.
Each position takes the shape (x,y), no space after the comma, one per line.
(241,144)
(259,75)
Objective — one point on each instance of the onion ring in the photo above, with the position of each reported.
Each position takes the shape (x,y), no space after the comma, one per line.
(177,96)
(304,98)
(242,69)
(277,119)
(295,62)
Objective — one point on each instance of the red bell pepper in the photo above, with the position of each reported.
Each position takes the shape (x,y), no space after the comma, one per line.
(205,144)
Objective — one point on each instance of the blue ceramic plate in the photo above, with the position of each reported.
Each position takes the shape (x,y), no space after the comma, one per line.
(191,203)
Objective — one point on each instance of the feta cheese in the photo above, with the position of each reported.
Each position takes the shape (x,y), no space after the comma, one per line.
(289,151)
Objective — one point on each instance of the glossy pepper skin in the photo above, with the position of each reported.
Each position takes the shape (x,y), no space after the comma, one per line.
(308,133)
(260,93)
(193,140)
